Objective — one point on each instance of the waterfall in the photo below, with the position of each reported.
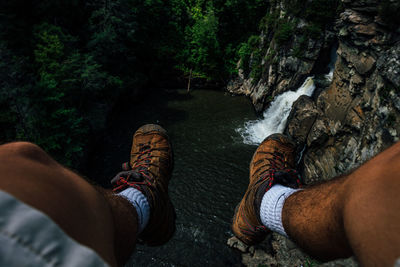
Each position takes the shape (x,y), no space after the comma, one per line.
(332,62)
(275,116)
(329,76)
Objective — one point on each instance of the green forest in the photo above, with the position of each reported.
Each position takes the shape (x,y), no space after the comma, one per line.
(65,63)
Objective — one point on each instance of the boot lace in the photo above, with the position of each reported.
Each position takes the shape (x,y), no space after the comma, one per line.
(137,176)
(278,172)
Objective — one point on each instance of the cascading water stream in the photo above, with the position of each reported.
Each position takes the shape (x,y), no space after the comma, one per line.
(332,62)
(275,116)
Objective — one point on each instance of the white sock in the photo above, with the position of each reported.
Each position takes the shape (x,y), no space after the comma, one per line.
(272,205)
(139,201)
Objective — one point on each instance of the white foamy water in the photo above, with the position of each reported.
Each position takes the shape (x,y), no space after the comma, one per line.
(329,76)
(331,65)
(275,117)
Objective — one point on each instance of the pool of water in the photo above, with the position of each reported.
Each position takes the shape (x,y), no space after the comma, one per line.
(210,174)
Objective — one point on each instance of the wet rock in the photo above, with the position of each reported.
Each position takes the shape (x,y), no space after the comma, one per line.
(335,101)
(356,79)
(354,17)
(369,29)
(355,118)
(235,243)
(363,63)
(286,253)
(319,132)
(389,64)
(396,101)
(319,165)
(259,258)
(301,119)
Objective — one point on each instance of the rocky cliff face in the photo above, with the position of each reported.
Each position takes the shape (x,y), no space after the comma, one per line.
(290,47)
(358,115)
(341,126)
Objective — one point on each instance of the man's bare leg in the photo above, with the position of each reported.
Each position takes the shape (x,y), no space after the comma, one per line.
(95,217)
(355,214)
(98,219)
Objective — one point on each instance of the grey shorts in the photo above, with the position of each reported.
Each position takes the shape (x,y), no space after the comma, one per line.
(28,237)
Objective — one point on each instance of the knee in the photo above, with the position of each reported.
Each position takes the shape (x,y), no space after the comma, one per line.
(23,150)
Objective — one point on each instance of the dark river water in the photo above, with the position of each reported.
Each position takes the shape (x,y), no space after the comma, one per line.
(210,175)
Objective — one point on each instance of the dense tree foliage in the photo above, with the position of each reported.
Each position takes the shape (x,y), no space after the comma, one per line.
(64,63)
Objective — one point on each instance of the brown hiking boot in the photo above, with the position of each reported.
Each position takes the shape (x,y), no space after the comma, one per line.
(150,170)
(272,163)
